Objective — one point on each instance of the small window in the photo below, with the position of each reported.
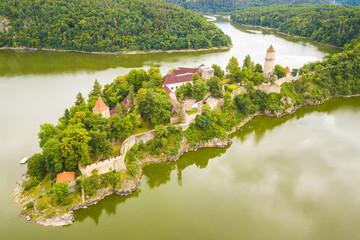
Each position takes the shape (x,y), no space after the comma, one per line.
(172,88)
(176,86)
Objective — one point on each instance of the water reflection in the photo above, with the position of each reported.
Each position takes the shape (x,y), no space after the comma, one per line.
(109,205)
(45,62)
(261,125)
(155,176)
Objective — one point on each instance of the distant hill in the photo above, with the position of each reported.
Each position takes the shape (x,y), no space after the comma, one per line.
(111,25)
(349,2)
(326,23)
(230,5)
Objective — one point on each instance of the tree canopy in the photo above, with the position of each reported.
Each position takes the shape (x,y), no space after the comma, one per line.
(109,26)
(330,24)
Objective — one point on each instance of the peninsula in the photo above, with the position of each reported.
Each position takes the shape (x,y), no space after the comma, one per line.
(100,145)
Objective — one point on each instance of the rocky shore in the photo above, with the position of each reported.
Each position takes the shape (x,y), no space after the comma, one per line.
(116,53)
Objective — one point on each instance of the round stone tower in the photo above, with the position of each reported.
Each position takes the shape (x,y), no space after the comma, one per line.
(269,62)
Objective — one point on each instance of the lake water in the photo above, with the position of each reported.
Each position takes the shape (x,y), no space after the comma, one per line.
(294,177)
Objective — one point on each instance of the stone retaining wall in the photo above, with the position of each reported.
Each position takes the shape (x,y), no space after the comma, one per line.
(105,166)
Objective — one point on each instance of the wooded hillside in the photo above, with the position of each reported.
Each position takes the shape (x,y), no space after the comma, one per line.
(231,5)
(332,24)
(112,25)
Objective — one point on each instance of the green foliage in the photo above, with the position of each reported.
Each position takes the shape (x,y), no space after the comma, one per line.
(37,166)
(74,147)
(110,179)
(100,144)
(123,128)
(96,91)
(60,190)
(47,131)
(110,26)
(52,156)
(29,205)
(331,24)
(231,5)
(200,89)
(133,168)
(215,86)
(79,99)
(41,206)
(232,88)
(154,106)
(218,72)
(279,71)
(136,78)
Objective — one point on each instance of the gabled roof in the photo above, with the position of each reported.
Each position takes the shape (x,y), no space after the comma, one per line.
(168,91)
(100,106)
(181,75)
(65,177)
(287,70)
(271,49)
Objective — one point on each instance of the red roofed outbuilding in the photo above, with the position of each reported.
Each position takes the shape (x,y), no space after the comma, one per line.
(65,177)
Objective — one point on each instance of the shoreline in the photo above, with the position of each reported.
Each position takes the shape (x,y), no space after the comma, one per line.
(135,52)
(130,186)
(288,35)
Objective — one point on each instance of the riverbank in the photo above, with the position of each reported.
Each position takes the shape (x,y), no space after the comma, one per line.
(118,53)
(285,34)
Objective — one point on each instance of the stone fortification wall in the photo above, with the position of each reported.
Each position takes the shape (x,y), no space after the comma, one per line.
(143,137)
(118,163)
(105,166)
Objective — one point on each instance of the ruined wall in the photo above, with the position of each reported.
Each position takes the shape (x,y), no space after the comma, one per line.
(105,166)
(118,163)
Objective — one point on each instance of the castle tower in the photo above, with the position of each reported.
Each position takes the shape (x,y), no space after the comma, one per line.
(287,74)
(100,107)
(269,62)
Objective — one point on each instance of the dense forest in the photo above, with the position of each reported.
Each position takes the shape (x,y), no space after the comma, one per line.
(331,24)
(111,26)
(231,5)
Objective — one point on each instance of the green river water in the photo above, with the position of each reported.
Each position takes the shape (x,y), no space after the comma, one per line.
(295,177)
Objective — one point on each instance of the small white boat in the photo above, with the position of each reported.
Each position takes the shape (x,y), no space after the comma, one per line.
(28,217)
(24,160)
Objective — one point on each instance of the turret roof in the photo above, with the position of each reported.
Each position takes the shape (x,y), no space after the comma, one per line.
(100,106)
(287,70)
(271,49)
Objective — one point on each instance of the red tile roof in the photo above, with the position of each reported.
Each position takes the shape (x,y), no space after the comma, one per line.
(112,112)
(100,106)
(126,102)
(287,70)
(181,75)
(65,177)
(271,49)
(168,91)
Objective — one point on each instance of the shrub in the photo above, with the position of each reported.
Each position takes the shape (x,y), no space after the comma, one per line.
(66,202)
(41,206)
(30,205)
(133,169)
(231,88)
(60,190)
